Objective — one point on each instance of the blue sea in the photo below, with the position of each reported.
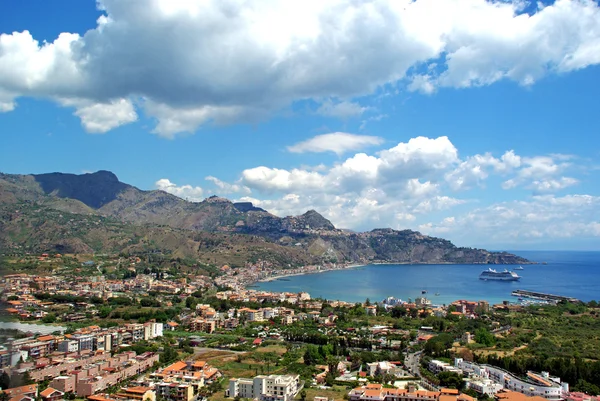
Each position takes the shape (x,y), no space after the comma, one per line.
(568,273)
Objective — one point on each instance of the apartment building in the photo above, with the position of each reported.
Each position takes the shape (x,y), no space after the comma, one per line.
(376,392)
(57,366)
(202,325)
(98,380)
(175,391)
(436,367)
(266,388)
(534,384)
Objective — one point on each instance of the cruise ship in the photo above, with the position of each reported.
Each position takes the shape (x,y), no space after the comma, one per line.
(492,274)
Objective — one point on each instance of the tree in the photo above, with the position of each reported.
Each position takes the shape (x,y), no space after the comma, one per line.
(49,318)
(4,396)
(586,387)
(482,336)
(303,395)
(4,381)
(332,365)
(451,380)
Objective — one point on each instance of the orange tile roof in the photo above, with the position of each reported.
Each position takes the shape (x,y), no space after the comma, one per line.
(137,389)
(28,389)
(449,391)
(48,392)
(45,338)
(98,397)
(179,365)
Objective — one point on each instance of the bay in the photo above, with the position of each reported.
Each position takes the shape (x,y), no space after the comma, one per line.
(568,273)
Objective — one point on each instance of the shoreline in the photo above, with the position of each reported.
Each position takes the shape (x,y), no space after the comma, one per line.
(280,276)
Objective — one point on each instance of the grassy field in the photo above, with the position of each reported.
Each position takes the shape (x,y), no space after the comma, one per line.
(336,393)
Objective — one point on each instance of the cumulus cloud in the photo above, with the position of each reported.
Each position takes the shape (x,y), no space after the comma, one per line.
(187,192)
(403,185)
(544,217)
(542,174)
(99,118)
(337,142)
(227,188)
(189,63)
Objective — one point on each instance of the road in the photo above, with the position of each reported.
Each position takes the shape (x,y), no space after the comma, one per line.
(413,362)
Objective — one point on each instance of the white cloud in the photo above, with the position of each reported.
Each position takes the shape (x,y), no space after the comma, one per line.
(187,192)
(552,185)
(337,142)
(195,62)
(411,181)
(540,218)
(542,173)
(342,110)
(99,118)
(475,169)
(227,188)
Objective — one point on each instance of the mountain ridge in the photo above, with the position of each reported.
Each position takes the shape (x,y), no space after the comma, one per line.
(113,211)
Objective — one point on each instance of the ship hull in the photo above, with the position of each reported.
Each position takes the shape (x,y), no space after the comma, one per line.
(500,278)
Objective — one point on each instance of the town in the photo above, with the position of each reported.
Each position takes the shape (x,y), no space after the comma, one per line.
(84,333)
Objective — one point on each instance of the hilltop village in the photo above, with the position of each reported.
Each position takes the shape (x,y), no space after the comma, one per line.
(122,328)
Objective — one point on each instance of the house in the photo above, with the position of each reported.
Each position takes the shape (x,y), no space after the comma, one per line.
(52,394)
(371,310)
(171,326)
(23,393)
(137,393)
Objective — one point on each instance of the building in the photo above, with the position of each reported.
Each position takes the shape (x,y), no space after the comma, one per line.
(535,384)
(137,393)
(436,367)
(381,368)
(266,388)
(484,386)
(23,393)
(202,325)
(196,373)
(376,392)
(371,310)
(175,391)
(52,394)
(577,396)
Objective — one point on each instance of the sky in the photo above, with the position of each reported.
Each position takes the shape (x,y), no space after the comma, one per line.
(471,120)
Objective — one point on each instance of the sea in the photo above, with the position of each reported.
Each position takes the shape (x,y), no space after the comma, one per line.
(568,273)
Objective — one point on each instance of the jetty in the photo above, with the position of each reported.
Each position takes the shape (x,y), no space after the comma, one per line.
(542,296)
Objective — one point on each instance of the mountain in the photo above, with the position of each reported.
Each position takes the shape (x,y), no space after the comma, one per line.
(96,212)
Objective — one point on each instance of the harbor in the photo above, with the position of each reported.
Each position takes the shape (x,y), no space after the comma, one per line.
(542,296)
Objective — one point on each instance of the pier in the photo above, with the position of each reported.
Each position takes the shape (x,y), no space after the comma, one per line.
(542,296)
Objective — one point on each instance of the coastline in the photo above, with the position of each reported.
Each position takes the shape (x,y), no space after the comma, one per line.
(280,276)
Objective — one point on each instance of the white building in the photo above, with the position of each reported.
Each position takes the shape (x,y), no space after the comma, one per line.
(68,346)
(153,330)
(484,386)
(436,367)
(381,368)
(542,385)
(265,388)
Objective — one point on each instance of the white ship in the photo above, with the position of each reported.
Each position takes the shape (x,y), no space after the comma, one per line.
(519,268)
(492,274)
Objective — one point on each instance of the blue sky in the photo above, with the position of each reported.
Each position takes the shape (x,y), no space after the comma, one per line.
(472,121)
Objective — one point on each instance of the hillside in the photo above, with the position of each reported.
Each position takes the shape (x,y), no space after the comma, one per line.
(98,213)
